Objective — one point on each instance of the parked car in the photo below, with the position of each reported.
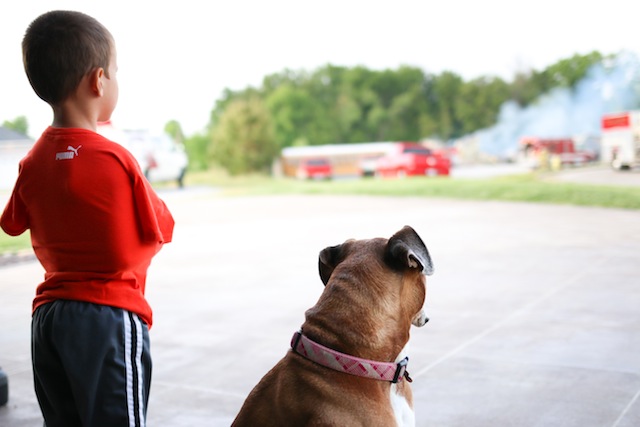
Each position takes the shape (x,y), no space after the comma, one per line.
(410,159)
(160,158)
(314,168)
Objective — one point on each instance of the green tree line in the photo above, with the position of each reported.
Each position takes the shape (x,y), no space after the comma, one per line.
(19,124)
(335,104)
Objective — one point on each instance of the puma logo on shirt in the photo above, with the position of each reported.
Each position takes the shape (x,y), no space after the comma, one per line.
(69,154)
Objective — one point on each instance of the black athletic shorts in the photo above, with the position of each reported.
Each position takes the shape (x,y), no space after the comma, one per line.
(91,365)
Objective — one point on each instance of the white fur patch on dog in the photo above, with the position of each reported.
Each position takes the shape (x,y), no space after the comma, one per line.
(405,417)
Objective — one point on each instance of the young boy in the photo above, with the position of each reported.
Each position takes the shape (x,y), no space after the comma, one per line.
(95,225)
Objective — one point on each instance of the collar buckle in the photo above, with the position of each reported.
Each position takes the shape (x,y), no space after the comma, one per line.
(401,370)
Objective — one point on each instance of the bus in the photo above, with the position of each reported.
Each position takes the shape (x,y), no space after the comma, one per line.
(390,158)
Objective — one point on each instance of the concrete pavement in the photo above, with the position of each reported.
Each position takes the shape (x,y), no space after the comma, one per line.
(534,309)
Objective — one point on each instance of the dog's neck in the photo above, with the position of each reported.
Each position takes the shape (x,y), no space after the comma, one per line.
(379,339)
(346,363)
(360,315)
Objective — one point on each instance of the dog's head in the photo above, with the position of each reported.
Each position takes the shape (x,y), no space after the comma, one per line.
(389,273)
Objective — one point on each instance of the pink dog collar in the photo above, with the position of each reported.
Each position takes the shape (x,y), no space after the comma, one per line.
(385,371)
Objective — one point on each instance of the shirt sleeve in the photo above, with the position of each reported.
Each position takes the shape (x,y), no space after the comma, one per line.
(155,219)
(14,220)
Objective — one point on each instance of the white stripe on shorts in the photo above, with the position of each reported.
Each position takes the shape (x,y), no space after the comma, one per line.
(133,362)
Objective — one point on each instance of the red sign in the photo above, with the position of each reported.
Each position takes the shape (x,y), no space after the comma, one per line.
(616,121)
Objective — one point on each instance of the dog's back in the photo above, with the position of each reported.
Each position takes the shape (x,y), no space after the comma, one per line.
(374,291)
(298,392)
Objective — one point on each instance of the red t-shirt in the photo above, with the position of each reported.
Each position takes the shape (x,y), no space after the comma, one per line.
(95,221)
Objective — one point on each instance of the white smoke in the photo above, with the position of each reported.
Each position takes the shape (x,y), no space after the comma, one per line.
(610,86)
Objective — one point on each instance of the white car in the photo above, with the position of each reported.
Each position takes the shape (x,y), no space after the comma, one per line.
(160,158)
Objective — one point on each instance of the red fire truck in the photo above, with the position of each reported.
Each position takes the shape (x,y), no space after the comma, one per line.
(621,139)
(410,159)
(540,152)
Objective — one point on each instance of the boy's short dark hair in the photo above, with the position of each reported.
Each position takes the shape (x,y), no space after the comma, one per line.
(60,48)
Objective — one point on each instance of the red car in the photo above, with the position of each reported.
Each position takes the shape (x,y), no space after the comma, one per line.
(412,159)
(316,168)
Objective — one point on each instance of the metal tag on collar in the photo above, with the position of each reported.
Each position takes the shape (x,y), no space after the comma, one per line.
(401,368)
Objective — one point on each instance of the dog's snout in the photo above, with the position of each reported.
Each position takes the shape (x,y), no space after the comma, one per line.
(421,319)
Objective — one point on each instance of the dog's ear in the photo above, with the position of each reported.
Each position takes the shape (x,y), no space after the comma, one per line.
(327,261)
(405,249)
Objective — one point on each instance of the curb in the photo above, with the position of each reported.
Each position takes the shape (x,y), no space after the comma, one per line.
(12,258)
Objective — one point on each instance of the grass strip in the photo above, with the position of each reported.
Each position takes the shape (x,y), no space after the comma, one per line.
(531,188)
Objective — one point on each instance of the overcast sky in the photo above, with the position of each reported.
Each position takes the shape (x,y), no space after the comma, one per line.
(176,57)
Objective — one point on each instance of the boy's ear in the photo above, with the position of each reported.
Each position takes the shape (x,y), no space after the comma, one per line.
(95,81)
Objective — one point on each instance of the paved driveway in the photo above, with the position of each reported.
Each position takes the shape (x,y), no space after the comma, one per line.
(534,309)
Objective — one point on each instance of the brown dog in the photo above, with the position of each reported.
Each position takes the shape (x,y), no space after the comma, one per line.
(347,365)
